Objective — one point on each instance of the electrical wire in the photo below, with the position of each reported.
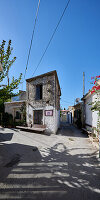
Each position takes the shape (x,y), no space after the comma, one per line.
(66,101)
(32,38)
(51,37)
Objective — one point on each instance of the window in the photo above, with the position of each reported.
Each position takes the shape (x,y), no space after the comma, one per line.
(18,115)
(38,92)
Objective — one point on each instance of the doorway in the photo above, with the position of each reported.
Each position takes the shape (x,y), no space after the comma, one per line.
(38,117)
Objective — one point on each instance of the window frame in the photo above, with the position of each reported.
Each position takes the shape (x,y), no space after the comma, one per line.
(18,112)
(40,95)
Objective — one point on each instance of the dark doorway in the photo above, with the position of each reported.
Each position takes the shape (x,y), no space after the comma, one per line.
(38,116)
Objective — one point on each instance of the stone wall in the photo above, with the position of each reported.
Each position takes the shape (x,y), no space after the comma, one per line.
(48,91)
(50,101)
(22,95)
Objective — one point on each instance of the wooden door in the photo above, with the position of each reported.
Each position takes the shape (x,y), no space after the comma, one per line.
(38,116)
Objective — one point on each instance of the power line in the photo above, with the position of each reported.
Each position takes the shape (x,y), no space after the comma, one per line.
(32,37)
(51,37)
(66,101)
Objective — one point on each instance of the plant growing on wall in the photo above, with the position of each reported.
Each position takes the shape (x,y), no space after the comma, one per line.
(96,89)
(96,103)
(23,111)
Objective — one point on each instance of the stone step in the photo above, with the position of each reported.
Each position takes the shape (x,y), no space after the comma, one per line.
(33,129)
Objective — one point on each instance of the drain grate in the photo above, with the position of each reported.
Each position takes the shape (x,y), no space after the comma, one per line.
(13,161)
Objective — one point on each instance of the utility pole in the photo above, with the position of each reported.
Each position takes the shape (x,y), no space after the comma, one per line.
(83,107)
(83,84)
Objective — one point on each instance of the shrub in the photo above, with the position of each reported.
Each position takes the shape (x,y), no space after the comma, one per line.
(7,120)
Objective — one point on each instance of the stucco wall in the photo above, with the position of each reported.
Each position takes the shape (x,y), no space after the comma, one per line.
(57,119)
(52,122)
(12,107)
(49,121)
(90,117)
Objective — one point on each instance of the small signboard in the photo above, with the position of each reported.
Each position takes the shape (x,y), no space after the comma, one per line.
(48,112)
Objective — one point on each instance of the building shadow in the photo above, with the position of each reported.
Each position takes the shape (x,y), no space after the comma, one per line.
(47,173)
(5,137)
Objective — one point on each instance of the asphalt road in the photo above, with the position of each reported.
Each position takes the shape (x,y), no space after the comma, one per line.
(56,167)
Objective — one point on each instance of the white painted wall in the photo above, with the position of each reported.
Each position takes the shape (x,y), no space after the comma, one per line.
(29,115)
(91,117)
(12,107)
(69,118)
(52,122)
(57,120)
(49,121)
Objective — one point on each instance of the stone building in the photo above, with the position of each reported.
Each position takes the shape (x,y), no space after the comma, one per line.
(43,101)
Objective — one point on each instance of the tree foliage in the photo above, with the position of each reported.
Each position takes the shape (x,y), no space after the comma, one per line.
(95,105)
(6,92)
(96,89)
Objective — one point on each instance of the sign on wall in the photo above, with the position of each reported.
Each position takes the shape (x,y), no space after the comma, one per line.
(48,112)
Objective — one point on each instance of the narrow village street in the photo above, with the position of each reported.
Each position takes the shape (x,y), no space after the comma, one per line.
(41,167)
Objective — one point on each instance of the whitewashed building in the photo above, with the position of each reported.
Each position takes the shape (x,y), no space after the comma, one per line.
(14,106)
(90,117)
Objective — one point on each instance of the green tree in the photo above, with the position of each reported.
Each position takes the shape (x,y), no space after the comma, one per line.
(23,111)
(6,92)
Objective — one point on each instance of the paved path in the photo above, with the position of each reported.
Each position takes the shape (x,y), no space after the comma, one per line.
(40,167)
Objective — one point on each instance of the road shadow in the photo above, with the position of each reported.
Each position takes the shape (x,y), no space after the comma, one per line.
(48,173)
(5,137)
(1,128)
(69,130)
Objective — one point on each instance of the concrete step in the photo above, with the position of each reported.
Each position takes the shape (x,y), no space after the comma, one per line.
(33,129)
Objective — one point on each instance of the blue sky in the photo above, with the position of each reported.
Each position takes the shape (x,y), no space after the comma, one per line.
(75,47)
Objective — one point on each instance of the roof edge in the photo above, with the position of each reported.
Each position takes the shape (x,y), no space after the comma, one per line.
(42,75)
(54,72)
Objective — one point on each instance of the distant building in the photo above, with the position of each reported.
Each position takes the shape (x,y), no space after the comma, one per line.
(63,115)
(70,114)
(67,115)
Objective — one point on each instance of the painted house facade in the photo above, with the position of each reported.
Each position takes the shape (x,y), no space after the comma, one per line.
(43,101)
(14,107)
(90,117)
